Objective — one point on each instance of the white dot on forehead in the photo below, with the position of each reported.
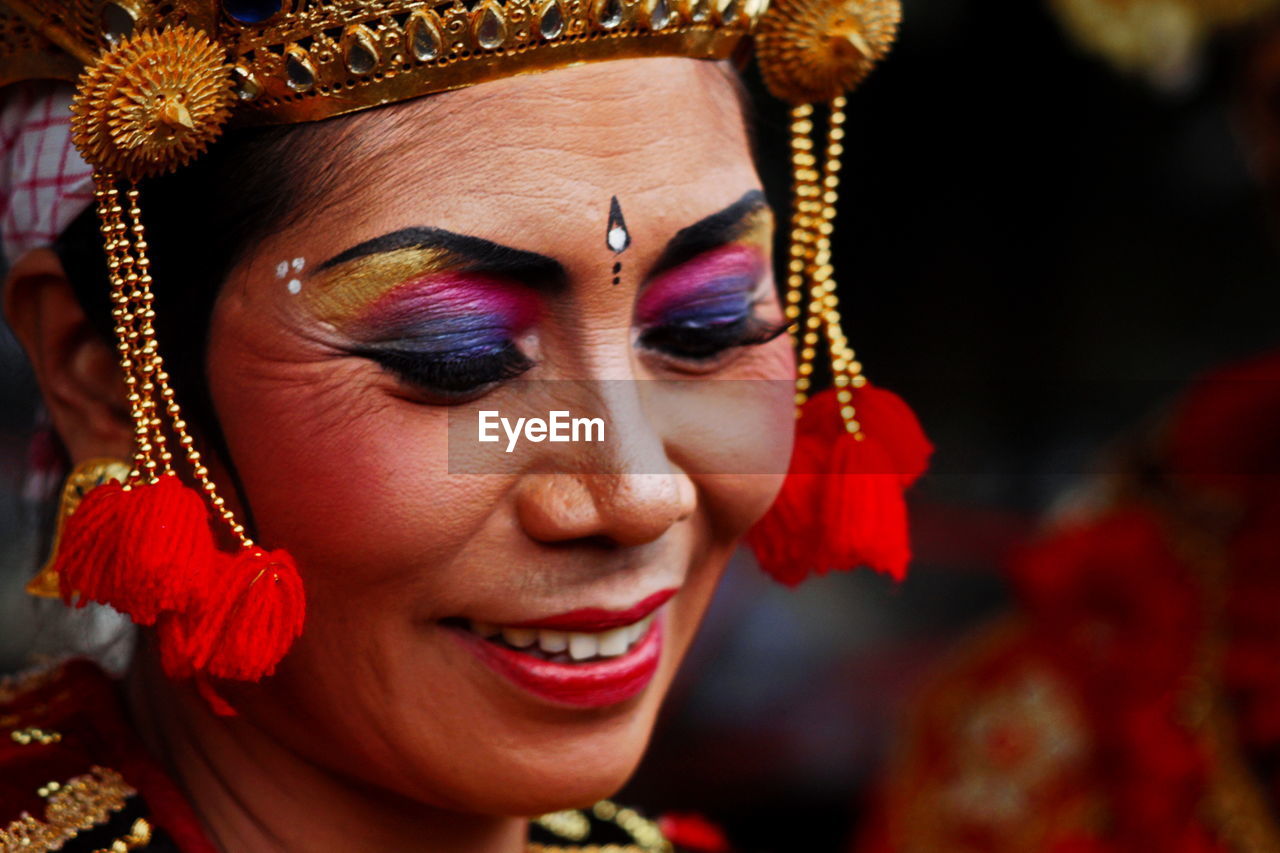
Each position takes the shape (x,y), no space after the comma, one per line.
(298,264)
(282,269)
(618,239)
(295,286)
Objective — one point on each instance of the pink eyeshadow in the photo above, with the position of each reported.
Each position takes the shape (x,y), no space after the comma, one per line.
(729,270)
(442,297)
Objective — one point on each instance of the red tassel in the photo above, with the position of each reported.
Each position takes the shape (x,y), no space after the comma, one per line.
(175,645)
(176,657)
(689,831)
(87,561)
(213,698)
(841,505)
(168,547)
(141,550)
(242,625)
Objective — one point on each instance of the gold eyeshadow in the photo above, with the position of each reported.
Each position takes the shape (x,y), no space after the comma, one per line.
(757,228)
(341,293)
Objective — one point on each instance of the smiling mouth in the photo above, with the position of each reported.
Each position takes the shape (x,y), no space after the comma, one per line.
(589,658)
(564,646)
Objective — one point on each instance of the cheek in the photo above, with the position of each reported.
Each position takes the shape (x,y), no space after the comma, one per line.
(353,481)
(734,436)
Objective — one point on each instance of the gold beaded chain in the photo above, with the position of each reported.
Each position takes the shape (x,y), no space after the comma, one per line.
(125,311)
(575,826)
(814,196)
(798,263)
(140,361)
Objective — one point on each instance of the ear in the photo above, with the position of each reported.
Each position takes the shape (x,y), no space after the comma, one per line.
(75,367)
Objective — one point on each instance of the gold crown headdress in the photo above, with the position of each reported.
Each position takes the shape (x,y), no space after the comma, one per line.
(302,60)
(157,81)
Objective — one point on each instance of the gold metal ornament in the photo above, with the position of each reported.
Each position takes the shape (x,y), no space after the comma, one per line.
(815,50)
(152,103)
(151,398)
(84,477)
(809,271)
(321,58)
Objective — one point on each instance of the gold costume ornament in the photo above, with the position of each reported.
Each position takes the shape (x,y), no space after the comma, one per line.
(152,103)
(816,50)
(84,478)
(158,80)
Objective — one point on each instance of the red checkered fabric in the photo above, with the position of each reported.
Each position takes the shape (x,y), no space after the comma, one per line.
(44,183)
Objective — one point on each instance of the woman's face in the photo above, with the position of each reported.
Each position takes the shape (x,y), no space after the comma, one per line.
(492,631)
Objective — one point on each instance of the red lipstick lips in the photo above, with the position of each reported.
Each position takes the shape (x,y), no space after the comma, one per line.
(589,658)
(596,619)
(597,684)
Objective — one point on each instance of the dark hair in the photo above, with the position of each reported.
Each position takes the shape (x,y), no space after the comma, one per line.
(200,222)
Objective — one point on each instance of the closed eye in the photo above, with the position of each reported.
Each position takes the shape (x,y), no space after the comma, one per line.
(447,378)
(702,342)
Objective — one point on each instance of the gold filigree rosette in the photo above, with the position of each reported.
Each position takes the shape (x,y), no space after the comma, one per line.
(152,103)
(816,50)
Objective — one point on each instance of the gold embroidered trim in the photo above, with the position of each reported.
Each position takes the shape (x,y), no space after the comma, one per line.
(593,848)
(33,734)
(73,807)
(571,824)
(575,826)
(139,836)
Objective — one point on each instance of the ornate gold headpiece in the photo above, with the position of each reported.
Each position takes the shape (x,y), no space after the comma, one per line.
(157,80)
(299,60)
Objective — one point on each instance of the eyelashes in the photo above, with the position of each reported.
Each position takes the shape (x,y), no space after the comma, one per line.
(717,317)
(702,343)
(464,375)
(465,357)
(452,377)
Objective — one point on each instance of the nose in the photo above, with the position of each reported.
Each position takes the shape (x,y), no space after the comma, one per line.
(626,491)
(622,509)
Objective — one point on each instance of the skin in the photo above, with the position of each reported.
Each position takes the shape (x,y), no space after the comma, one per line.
(380,730)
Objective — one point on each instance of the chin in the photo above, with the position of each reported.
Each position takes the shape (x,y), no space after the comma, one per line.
(566,764)
(564,785)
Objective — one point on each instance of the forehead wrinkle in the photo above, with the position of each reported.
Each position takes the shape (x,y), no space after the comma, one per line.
(602,147)
(356,148)
(495,112)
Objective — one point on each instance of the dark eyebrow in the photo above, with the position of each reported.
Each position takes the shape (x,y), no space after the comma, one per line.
(478,255)
(712,232)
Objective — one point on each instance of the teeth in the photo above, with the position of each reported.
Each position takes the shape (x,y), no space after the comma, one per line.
(553,642)
(583,646)
(579,646)
(521,638)
(614,643)
(638,630)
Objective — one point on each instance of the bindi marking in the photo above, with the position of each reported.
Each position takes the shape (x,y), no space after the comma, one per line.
(616,237)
